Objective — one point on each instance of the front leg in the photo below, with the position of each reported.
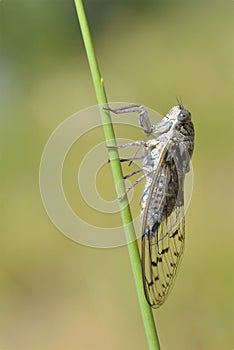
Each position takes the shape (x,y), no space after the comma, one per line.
(137,108)
(131,144)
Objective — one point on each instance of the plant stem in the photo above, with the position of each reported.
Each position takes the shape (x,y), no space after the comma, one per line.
(147,315)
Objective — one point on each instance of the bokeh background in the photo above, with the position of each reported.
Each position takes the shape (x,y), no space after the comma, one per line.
(55,293)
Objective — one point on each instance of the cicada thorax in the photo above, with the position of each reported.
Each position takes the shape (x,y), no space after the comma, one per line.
(185,136)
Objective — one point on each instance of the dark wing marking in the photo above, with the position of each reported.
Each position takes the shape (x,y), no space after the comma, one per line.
(160,261)
(163,233)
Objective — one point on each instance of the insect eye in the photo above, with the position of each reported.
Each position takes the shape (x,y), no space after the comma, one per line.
(184,116)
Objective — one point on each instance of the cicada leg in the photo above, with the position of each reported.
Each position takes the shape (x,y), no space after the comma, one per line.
(135,182)
(133,173)
(131,187)
(126,145)
(135,108)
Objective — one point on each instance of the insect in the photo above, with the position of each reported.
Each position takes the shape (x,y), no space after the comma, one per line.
(166,160)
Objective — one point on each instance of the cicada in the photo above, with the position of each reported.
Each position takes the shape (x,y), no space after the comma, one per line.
(167,153)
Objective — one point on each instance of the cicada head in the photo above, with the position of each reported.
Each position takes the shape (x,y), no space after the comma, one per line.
(179,113)
(183,115)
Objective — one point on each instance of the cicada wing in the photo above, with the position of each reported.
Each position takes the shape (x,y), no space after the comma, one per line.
(163,235)
(161,256)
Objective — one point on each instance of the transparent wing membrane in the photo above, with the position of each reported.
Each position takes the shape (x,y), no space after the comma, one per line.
(161,256)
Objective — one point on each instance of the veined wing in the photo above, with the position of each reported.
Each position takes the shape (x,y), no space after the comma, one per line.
(163,235)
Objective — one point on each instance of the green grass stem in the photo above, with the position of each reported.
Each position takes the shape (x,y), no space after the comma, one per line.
(147,315)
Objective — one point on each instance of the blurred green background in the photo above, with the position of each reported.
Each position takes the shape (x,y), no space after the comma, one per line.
(56,294)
